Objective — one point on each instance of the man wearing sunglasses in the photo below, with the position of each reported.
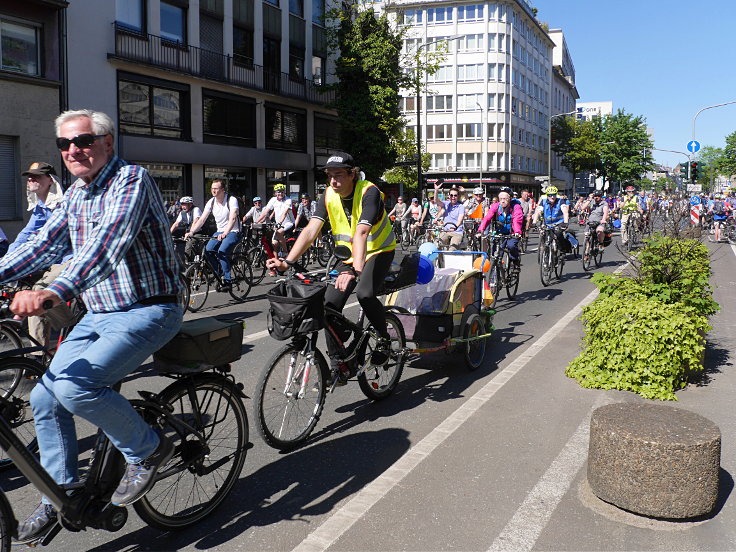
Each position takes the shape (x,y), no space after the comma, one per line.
(124,265)
(451,214)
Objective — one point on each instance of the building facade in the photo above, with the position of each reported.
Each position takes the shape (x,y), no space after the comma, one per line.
(31,95)
(484,114)
(204,89)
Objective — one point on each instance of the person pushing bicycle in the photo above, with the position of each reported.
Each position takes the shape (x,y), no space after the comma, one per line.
(355,209)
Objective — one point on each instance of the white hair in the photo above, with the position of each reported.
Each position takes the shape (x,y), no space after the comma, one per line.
(101,122)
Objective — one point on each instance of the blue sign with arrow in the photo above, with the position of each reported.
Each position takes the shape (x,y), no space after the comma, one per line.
(693,146)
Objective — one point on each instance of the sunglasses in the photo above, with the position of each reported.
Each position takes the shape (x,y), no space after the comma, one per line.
(453,195)
(81,141)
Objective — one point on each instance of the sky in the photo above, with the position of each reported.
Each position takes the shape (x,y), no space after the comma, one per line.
(661,59)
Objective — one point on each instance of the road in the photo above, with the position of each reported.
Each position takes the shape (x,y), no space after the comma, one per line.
(454,460)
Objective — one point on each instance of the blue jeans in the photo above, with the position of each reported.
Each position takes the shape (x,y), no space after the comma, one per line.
(99,352)
(222,250)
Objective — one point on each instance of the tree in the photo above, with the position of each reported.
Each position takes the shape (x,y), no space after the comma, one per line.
(710,165)
(630,155)
(406,147)
(729,155)
(577,141)
(367,92)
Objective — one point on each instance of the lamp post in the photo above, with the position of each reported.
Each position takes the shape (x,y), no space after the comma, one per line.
(419,112)
(549,144)
(699,112)
(682,152)
(482,157)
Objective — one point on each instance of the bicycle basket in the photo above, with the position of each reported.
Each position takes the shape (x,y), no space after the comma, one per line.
(201,344)
(405,276)
(295,307)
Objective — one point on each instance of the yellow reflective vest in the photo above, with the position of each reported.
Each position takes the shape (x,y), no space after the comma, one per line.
(381,237)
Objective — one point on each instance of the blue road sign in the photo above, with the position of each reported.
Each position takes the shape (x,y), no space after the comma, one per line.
(693,146)
(695,200)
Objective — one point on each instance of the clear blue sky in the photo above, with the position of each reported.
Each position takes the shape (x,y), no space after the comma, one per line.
(662,59)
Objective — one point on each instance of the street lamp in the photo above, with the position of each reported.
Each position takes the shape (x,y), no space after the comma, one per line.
(482,157)
(682,152)
(699,112)
(419,123)
(549,144)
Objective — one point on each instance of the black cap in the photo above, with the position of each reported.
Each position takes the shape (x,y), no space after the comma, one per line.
(340,160)
(39,168)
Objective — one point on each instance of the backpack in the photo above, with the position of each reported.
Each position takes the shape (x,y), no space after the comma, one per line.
(718,208)
(210,225)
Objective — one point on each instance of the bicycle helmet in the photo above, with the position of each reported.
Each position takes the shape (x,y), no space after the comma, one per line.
(305,196)
(279,188)
(186,199)
(630,188)
(551,190)
(257,198)
(478,191)
(598,193)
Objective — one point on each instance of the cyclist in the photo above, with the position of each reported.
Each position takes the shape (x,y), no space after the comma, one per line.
(527,206)
(431,208)
(644,204)
(398,212)
(720,211)
(451,214)
(254,213)
(283,215)
(509,218)
(555,214)
(476,206)
(304,212)
(628,207)
(187,216)
(598,216)
(412,216)
(224,209)
(355,209)
(124,264)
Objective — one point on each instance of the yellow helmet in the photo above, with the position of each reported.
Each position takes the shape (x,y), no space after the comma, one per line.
(551,190)
(279,188)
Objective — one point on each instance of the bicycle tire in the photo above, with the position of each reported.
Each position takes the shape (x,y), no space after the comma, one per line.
(474,351)
(213,406)
(256,258)
(10,340)
(326,251)
(8,523)
(242,276)
(378,382)
(545,262)
(494,277)
(558,258)
(597,252)
(588,254)
(18,377)
(283,418)
(512,277)
(199,286)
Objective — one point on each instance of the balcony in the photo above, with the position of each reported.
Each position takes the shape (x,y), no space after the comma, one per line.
(158,52)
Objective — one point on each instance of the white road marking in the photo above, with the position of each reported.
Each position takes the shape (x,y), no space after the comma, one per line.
(344,518)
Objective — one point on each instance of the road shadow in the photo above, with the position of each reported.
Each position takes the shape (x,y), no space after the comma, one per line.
(300,487)
(716,358)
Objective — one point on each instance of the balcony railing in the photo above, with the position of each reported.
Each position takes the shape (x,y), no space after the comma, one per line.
(189,60)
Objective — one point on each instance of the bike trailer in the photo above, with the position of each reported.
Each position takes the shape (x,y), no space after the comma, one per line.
(201,344)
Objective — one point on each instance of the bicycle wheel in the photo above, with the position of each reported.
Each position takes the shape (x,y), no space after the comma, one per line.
(199,286)
(202,472)
(474,349)
(242,276)
(512,277)
(546,259)
(18,377)
(597,251)
(7,523)
(325,252)
(558,260)
(378,382)
(10,340)
(494,277)
(256,258)
(290,395)
(588,254)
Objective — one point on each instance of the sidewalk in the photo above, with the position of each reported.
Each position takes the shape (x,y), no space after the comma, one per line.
(507,471)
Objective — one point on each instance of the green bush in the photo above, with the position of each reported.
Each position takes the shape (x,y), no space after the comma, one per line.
(640,344)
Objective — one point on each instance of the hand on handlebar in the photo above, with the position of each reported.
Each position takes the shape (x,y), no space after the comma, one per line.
(33,303)
(277,264)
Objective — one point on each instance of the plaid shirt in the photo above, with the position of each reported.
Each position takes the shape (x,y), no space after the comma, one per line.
(119,232)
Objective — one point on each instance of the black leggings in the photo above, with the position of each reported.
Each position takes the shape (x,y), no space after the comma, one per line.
(370,283)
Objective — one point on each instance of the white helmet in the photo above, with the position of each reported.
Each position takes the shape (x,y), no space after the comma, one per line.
(187,199)
(478,190)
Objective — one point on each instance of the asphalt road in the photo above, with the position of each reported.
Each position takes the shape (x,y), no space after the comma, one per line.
(449,462)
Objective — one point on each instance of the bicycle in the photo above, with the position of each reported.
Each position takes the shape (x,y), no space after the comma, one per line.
(201,273)
(630,231)
(411,235)
(502,272)
(551,260)
(292,388)
(592,248)
(202,412)
(471,228)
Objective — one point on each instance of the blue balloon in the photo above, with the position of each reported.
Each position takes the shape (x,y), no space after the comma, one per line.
(425,272)
(429,250)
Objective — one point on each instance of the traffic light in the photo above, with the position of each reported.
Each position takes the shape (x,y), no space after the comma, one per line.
(694,171)
(683,170)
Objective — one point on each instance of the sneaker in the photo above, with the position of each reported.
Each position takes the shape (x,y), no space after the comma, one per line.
(40,522)
(380,354)
(227,285)
(139,478)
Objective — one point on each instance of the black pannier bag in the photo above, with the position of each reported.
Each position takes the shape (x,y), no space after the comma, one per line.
(295,307)
(201,344)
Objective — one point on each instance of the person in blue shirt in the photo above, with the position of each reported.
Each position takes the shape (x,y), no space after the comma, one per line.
(452,215)
(44,195)
(556,214)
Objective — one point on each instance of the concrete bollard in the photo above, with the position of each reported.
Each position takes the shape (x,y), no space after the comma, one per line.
(654,460)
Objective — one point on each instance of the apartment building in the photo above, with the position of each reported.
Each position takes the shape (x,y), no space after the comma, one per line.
(564,96)
(204,89)
(484,116)
(31,95)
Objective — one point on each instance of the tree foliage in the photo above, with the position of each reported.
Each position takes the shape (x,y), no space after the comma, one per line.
(578,142)
(629,157)
(729,155)
(406,148)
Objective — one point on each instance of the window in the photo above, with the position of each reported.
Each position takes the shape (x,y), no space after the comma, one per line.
(492,42)
(9,208)
(296,64)
(443,74)
(228,119)
(468,160)
(470,131)
(439,43)
(19,45)
(439,103)
(173,23)
(469,102)
(439,133)
(169,178)
(491,160)
(153,110)
(412,17)
(411,45)
(470,43)
(271,55)
(318,12)
(243,46)
(441,161)
(130,13)
(285,129)
(318,69)
(439,16)
(473,12)
(326,135)
(468,73)
(296,7)
(274,2)
(492,71)
(408,104)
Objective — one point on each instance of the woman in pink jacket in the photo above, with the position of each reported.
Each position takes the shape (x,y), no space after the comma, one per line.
(509,219)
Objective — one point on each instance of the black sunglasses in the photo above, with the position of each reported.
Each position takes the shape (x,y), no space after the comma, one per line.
(81,141)
(453,195)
